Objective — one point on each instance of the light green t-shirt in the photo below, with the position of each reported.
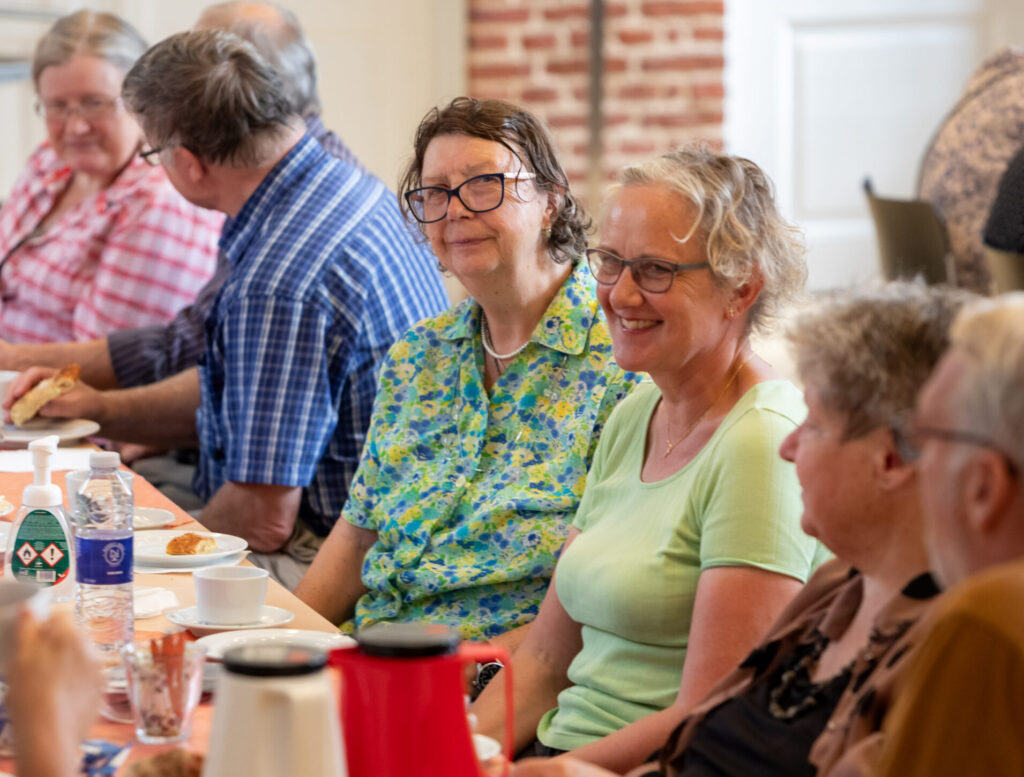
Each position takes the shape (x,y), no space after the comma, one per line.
(630,577)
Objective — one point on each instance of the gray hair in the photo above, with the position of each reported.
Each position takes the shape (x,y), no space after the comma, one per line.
(989,398)
(277,35)
(210,92)
(738,221)
(92,34)
(869,351)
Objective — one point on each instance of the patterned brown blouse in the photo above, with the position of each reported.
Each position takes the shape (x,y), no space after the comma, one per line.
(851,741)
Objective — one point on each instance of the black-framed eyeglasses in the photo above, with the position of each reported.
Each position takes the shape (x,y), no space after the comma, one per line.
(649,273)
(89,108)
(478,194)
(151,156)
(915,434)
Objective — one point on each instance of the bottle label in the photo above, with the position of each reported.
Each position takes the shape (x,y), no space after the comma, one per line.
(41,553)
(103,561)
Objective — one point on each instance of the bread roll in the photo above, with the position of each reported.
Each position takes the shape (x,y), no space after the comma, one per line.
(32,401)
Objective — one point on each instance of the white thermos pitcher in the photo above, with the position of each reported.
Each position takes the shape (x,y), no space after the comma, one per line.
(274,714)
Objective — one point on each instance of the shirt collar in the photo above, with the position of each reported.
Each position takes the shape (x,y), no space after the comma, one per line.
(55,173)
(564,327)
(239,231)
(904,606)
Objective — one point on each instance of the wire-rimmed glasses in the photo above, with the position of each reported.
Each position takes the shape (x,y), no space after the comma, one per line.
(151,156)
(915,433)
(90,108)
(649,273)
(478,194)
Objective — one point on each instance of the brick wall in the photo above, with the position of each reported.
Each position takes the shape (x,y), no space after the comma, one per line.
(663,72)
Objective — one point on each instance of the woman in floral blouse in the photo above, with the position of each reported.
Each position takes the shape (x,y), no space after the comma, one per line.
(486,416)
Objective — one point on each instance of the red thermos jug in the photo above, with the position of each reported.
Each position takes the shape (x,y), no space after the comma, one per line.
(402,703)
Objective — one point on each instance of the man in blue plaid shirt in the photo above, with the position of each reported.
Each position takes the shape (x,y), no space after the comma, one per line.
(325,276)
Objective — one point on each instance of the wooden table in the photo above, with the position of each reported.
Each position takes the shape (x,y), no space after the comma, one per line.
(12,484)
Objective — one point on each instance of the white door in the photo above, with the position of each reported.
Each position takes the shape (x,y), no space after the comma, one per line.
(823,93)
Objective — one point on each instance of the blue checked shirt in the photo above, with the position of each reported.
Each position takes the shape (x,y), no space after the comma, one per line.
(325,276)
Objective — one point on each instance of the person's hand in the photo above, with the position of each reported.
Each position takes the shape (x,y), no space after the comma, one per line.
(82,401)
(562,766)
(54,686)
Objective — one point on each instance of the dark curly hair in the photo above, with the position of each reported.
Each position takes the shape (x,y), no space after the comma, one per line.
(529,141)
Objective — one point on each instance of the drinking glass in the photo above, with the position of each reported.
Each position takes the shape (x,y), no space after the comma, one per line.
(164,691)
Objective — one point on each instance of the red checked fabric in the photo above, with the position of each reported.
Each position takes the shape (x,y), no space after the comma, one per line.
(131,255)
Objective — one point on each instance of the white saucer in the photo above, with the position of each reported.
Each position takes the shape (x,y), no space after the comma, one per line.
(189,618)
(218,644)
(150,518)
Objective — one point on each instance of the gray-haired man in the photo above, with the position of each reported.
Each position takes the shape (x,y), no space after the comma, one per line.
(325,276)
(961,710)
(135,357)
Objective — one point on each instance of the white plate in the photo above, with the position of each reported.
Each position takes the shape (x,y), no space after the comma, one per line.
(6,508)
(65,428)
(151,548)
(486,748)
(189,618)
(150,518)
(217,644)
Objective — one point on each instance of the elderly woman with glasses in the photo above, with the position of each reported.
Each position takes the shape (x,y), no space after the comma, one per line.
(810,699)
(687,543)
(94,239)
(487,416)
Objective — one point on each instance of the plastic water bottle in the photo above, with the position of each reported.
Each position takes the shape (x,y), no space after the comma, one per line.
(102,514)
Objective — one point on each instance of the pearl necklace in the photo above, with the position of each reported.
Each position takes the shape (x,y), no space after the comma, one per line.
(669,445)
(488,343)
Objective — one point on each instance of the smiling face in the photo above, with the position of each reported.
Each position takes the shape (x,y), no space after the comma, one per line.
(475,246)
(99,146)
(666,333)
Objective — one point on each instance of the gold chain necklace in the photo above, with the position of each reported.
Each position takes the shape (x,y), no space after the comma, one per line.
(669,445)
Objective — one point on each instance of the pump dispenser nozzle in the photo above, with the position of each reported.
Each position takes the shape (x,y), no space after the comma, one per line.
(42,492)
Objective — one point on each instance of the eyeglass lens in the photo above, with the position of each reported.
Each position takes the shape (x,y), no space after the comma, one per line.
(649,274)
(90,109)
(478,194)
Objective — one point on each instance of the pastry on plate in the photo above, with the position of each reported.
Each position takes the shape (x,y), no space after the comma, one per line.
(191,544)
(32,401)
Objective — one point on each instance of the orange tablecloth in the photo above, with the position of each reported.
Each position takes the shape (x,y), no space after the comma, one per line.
(11,486)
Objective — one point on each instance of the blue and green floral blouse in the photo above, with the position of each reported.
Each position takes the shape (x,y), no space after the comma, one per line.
(471,495)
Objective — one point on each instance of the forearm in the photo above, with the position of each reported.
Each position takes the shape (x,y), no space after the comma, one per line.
(162,414)
(334,582)
(511,640)
(92,356)
(264,515)
(535,691)
(632,745)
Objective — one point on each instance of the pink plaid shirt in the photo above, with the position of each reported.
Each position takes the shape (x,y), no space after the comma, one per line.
(131,255)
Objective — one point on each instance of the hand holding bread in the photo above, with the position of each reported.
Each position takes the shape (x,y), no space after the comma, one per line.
(31,402)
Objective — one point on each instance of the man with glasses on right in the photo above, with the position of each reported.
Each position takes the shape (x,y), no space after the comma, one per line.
(961,711)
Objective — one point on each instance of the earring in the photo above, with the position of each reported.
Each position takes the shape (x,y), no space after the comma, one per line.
(731,313)
(546,232)
(444,270)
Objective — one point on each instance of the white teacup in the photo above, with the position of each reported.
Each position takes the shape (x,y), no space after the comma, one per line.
(230,596)
(14,597)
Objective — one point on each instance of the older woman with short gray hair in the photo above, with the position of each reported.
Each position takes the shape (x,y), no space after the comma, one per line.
(92,239)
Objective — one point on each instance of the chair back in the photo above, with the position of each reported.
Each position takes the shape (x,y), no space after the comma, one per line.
(1006,269)
(912,239)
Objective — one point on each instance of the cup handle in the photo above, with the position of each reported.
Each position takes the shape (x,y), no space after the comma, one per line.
(482,652)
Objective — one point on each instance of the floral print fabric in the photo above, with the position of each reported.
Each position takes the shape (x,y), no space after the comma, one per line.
(471,494)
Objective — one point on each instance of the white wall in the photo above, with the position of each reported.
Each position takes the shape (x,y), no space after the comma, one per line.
(382,66)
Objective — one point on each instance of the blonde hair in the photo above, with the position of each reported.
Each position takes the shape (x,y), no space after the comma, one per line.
(990,397)
(737,219)
(92,34)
